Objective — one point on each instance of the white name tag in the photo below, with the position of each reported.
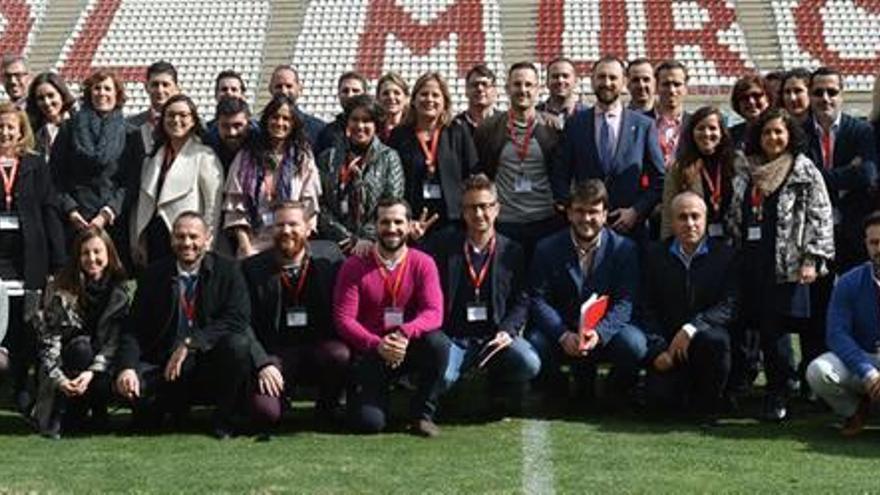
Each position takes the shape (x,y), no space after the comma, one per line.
(522,184)
(754,233)
(343,207)
(431,190)
(268,218)
(393,317)
(297,317)
(9,222)
(477,312)
(716,230)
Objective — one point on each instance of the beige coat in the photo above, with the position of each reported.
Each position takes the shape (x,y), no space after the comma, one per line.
(194,182)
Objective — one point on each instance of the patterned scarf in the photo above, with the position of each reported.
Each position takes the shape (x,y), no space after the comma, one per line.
(101,139)
(253,170)
(769,176)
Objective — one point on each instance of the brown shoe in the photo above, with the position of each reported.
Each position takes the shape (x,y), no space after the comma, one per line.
(856,423)
(425,428)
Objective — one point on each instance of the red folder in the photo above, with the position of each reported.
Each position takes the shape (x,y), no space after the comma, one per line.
(592,312)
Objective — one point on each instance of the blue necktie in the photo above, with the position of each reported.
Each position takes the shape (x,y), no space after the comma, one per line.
(189,286)
(606,152)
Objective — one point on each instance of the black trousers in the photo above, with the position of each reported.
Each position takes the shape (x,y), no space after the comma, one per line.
(368,396)
(76,356)
(218,377)
(698,384)
(21,342)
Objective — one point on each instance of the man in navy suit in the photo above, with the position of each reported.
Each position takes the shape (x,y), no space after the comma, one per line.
(843,148)
(568,268)
(615,145)
(483,278)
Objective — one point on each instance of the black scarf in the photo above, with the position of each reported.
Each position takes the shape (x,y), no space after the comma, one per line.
(100,139)
(95,298)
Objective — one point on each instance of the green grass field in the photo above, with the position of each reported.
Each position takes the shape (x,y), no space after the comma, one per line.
(568,454)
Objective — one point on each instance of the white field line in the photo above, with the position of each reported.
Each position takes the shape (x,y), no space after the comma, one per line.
(537,468)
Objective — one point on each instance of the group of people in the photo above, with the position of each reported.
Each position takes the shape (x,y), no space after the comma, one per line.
(402,244)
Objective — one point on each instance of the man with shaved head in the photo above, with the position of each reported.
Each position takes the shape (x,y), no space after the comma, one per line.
(689,301)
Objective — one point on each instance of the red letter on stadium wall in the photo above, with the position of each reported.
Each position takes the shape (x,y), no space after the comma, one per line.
(18,26)
(551,24)
(662,36)
(464,17)
(78,65)
(810,27)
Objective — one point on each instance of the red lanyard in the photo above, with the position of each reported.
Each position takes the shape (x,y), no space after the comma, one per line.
(9,179)
(430,151)
(827,157)
(295,293)
(714,187)
(345,172)
(392,287)
(521,147)
(478,279)
(757,204)
(189,305)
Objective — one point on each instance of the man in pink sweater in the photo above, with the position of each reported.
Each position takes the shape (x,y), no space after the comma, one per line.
(388,306)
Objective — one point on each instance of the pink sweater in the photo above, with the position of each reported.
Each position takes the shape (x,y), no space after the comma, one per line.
(360,299)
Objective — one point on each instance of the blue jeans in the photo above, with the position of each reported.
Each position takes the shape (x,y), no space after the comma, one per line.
(510,368)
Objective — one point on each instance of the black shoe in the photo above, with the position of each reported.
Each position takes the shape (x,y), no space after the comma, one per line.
(23,402)
(221,433)
(775,408)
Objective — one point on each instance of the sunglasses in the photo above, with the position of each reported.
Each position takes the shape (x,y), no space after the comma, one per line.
(820,92)
(754,96)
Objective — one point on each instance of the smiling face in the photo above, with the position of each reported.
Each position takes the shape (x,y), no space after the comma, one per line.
(229,87)
(178,120)
(561,80)
(796,97)
(49,101)
(826,97)
(10,134)
(280,123)
(290,231)
(392,98)
(689,220)
(752,103)
(392,227)
(479,210)
(774,139)
(285,82)
(16,80)
(480,92)
(587,220)
(429,102)
(640,84)
(161,87)
(93,258)
(189,240)
(360,127)
(348,89)
(104,96)
(522,88)
(707,134)
(607,80)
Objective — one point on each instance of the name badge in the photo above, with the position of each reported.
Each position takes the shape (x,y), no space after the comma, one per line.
(297,317)
(9,222)
(431,190)
(268,218)
(393,317)
(522,184)
(477,312)
(716,230)
(754,233)
(343,207)
(837,215)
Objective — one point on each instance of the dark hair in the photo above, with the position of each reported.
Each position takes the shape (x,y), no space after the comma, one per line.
(590,191)
(671,65)
(796,73)
(229,74)
(871,220)
(481,70)
(306,207)
(826,71)
(742,86)
(479,182)
(161,137)
(605,59)
(357,76)
(297,137)
(638,61)
(70,278)
(57,82)
(522,65)
(280,68)
(564,60)
(796,138)
(774,75)
(365,102)
(689,153)
(97,77)
(162,67)
(228,106)
(387,201)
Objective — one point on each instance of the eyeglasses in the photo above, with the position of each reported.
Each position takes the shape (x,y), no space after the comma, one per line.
(820,92)
(754,96)
(15,75)
(481,206)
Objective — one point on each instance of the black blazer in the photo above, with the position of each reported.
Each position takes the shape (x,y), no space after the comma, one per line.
(41,228)
(457,160)
(222,307)
(261,273)
(508,277)
(705,296)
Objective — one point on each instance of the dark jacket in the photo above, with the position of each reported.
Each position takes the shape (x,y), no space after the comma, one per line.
(86,190)
(457,158)
(507,278)
(261,273)
(41,228)
(312,125)
(383,175)
(151,334)
(558,288)
(331,135)
(491,137)
(635,178)
(704,295)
